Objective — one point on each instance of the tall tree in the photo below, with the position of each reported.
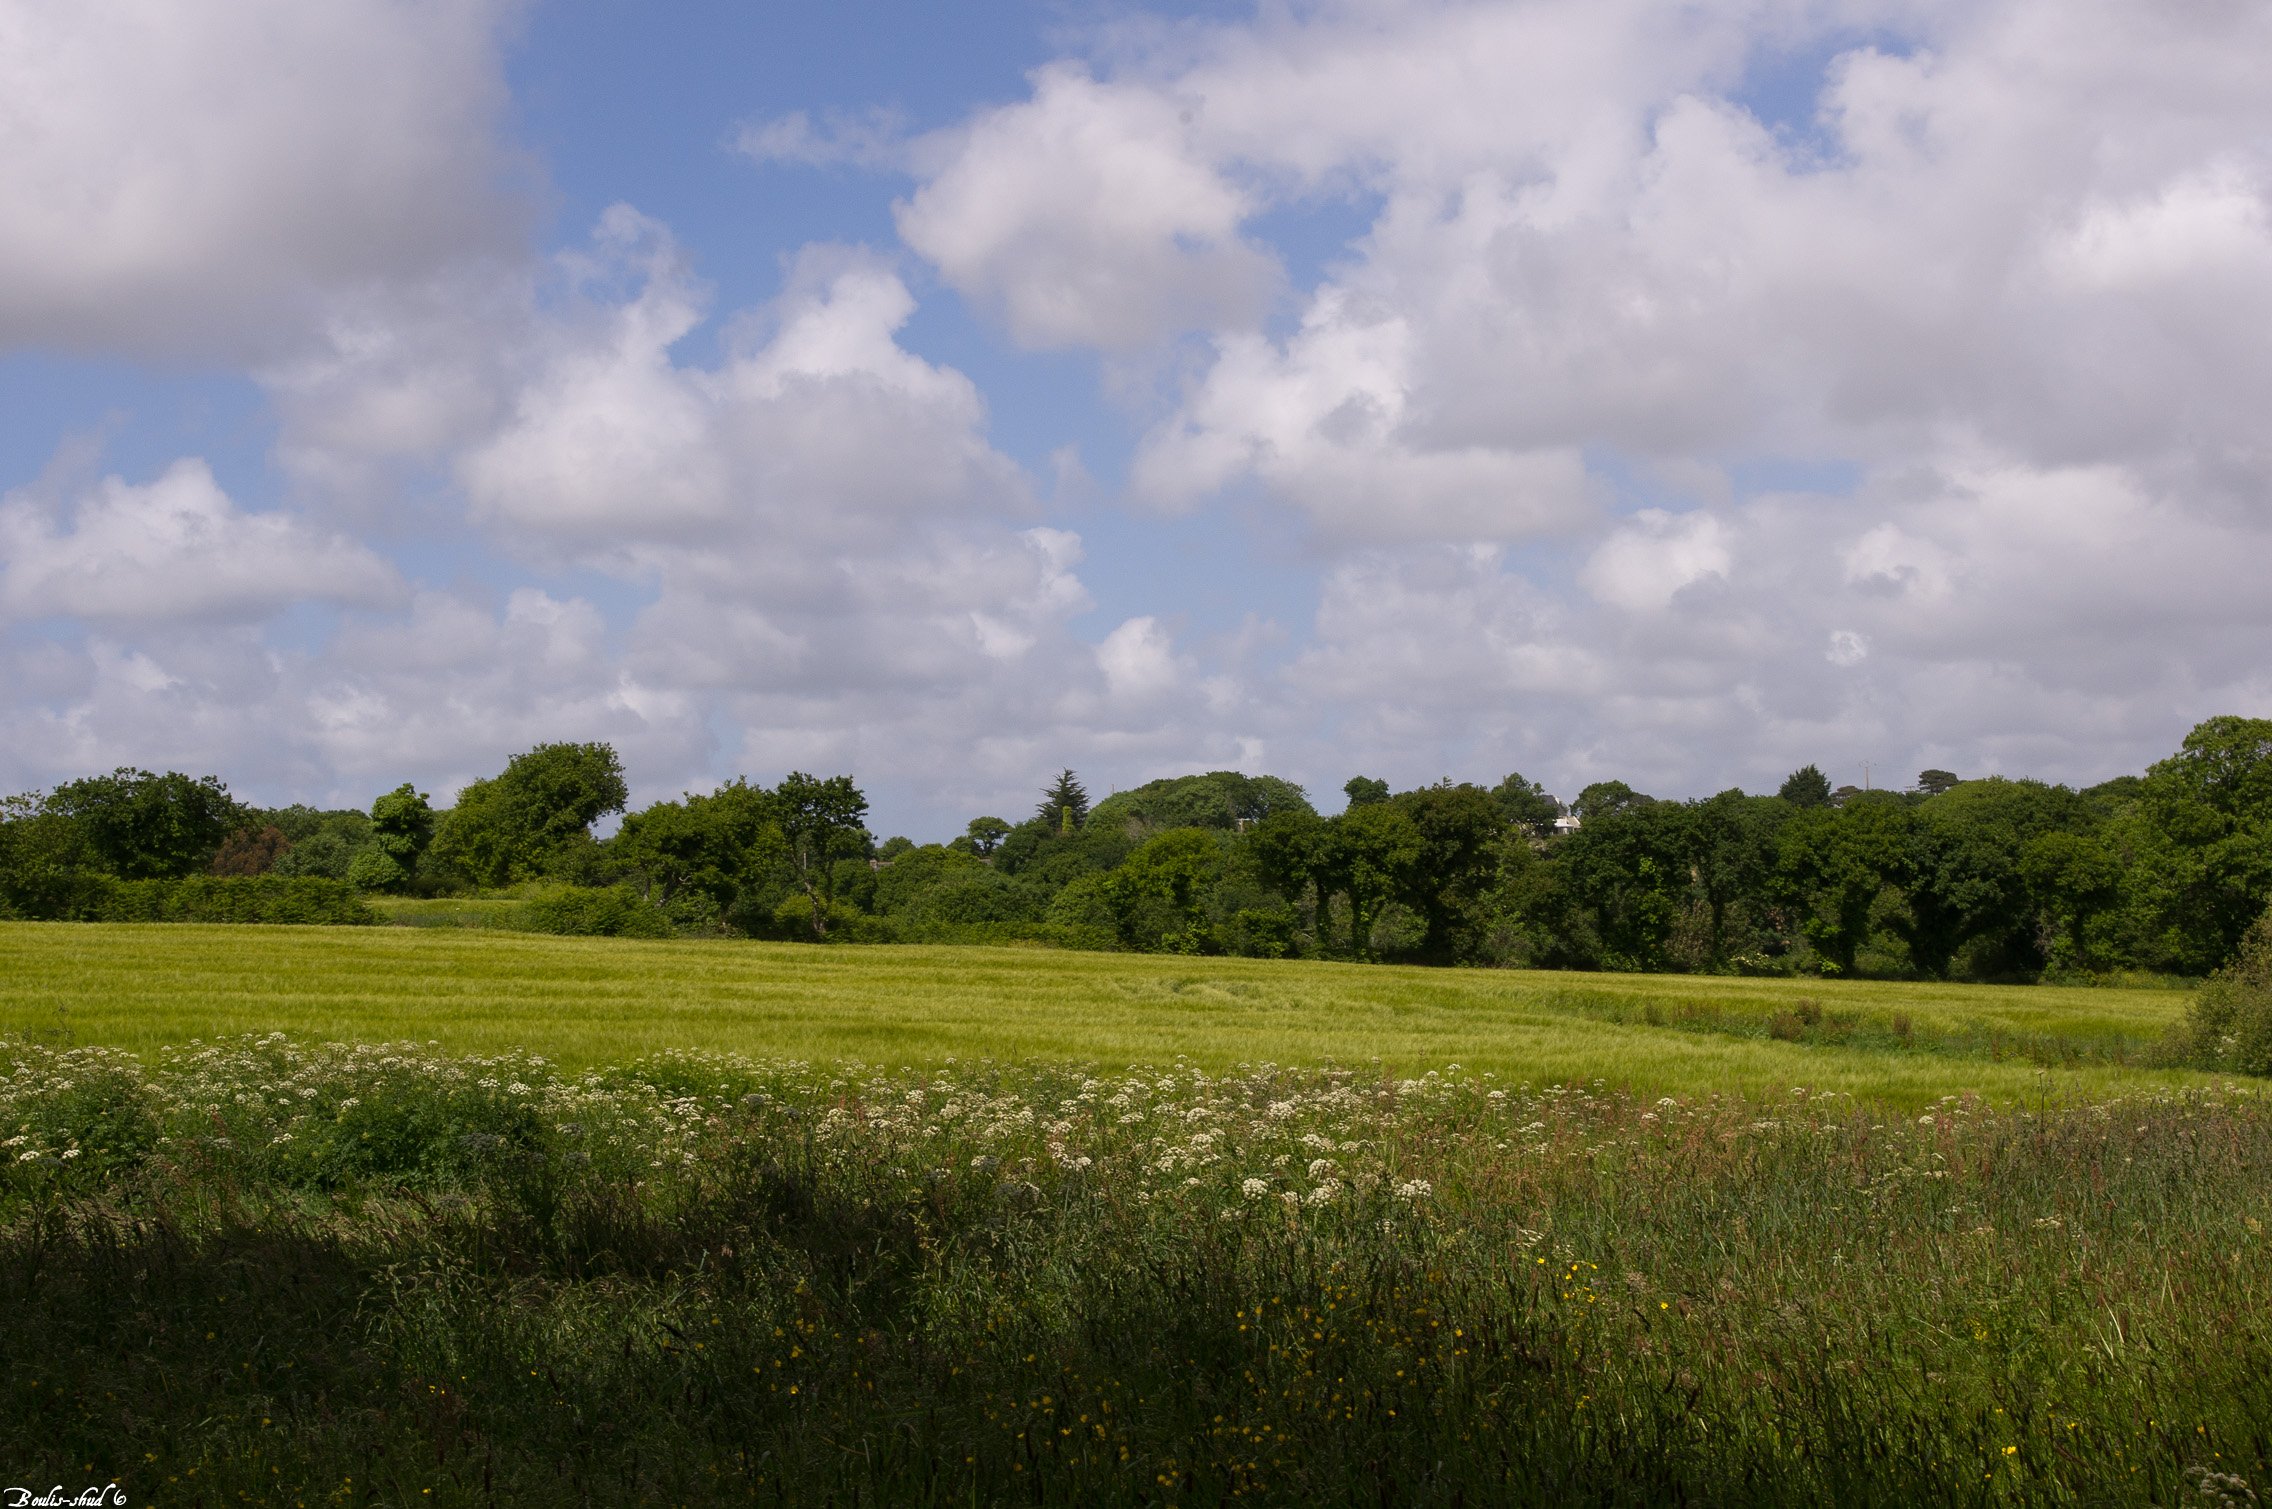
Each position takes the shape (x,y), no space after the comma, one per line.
(986,835)
(402,826)
(2205,854)
(1363,790)
(1731,852)
(716,846)
(520,823)
(1628,868)
(1833,864)
(1806,786)
(821,821)
(1064,804)
(1604,797)
(143,827)
(1527,804)
(1463,830)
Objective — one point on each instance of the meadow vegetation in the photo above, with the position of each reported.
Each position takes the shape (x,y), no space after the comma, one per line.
(592,1001)
(389,1274)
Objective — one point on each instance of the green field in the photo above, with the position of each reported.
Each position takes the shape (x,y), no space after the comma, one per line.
(693,1255)
(598,1001)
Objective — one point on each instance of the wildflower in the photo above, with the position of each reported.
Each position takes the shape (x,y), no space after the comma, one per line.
(1414,1190)
(1255,1189)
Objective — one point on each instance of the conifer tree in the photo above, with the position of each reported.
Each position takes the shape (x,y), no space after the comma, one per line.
(1064,804)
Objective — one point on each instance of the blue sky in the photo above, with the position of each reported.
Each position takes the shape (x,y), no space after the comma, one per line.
(949,395)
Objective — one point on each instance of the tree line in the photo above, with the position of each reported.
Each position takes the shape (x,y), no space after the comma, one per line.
(1991,879)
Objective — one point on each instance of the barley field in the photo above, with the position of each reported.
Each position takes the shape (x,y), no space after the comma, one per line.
(597,1001)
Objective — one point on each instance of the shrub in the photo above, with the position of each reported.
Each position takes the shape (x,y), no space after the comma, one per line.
(2230,1026)
(216,898)
(612,912)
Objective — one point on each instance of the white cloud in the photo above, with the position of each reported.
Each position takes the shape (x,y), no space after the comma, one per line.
(819,556)
(1996,292)
(1138,659)
(873,139)
(2006,280)
(817,428)
(1083,217)
(174,549)
(199,177)
(1325,422)
(2202,222)
(1641,566)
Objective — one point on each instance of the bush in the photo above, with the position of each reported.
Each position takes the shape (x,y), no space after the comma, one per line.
(980,897)
(216,898)
(2230,1026)
(612,912)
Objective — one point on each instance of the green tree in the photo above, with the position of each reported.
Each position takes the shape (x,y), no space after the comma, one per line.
(46,862)
(2072,879)
(1834,864)
(1627,869)
(1965,886)
(986,835)
(715,849)
(1158,897)
(1225,799)
(1363,790)
(1731,847)
(1064,803)
(1463,831)
(325,848)
(140,826)
(1806,786)
(1604,797)
(1371,857)
(522,823)
(1934,782)
(2202,844)
(402,826)
(821,822)
(1527,805)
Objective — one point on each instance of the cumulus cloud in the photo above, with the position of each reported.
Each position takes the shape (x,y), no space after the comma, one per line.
(1325,422)
(1084,216)
(1138,659)
(1649,427)
(2000,268)
(1583,239)
(174,549)
(1642,565)
(816,556)
(199,178)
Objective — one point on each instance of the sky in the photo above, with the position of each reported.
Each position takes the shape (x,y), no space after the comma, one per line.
(1671,392)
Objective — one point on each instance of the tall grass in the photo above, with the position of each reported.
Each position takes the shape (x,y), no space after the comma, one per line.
(386,1274)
